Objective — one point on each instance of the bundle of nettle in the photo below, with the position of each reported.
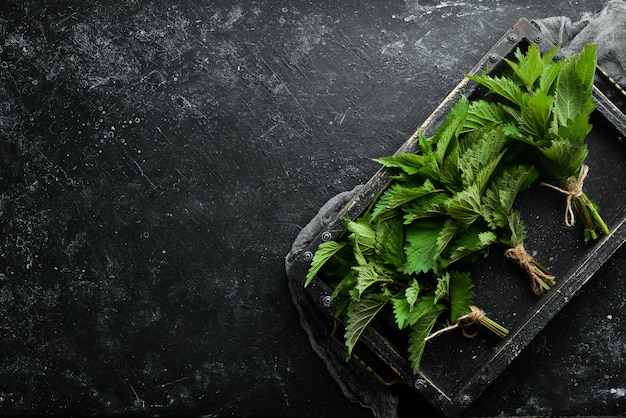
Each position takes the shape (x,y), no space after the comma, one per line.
(453,199)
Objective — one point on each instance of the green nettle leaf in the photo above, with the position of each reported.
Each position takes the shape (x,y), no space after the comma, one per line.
(484,174)
(502,86)
(401,311)
(514,113)
(487,238)
(512,130)
(422,245)
(367,276)
(362,232)
(513,180)
(425,146)
(424,165)
(465,206)
(430,168)
(536,115)
(578,155)
(449,171)
(412,292)
(324,252)
(576,129)
(442,289)
(407,315)
(429,206)
(448,231)
(574,133)
(423,306)
(409,163)
(461,295)
(586,64)
(549,75)
(471,242)
(360,314)
(359,256)
(399,194)
(481,114)
(503,190)
(517,229)
(480,156)
(564,157)
(528,67)
(418,333)
(492,209)
(573,86)
(557,152)
(390,242)
(450,129)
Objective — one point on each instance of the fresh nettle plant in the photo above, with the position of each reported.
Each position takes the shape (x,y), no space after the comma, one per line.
(398,254)
(400,261)
(546,105)
(474,187)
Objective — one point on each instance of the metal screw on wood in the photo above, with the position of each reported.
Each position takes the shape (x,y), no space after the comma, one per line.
(465,400)
(420,384)
(326,236)
(308,256)
(325,301)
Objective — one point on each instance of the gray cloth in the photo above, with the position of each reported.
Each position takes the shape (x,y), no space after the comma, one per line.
(607,29)
(324,216)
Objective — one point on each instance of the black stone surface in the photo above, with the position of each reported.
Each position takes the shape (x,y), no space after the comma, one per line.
(157,159)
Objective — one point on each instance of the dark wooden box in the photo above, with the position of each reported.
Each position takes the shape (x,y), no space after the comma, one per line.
(455,370)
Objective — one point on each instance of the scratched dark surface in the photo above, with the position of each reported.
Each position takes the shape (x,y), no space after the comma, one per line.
(157,159)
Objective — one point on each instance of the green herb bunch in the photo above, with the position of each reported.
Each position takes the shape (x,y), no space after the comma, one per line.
(545,106)
(401,252)
(400,262)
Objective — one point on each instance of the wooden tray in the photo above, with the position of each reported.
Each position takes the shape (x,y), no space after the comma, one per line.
(455,370)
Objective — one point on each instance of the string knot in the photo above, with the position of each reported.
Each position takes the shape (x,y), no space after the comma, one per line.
(538,275)
(474,316)
(573,190)
(519,255)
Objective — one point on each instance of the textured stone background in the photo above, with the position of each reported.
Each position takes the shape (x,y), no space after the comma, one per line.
(157,158)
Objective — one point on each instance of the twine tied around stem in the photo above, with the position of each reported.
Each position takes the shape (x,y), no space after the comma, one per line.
(528,263)
(573,190)
(473,317)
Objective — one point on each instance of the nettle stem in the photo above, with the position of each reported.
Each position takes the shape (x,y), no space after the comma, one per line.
(494,327)
(540,278)
(583,205)
(590,216)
